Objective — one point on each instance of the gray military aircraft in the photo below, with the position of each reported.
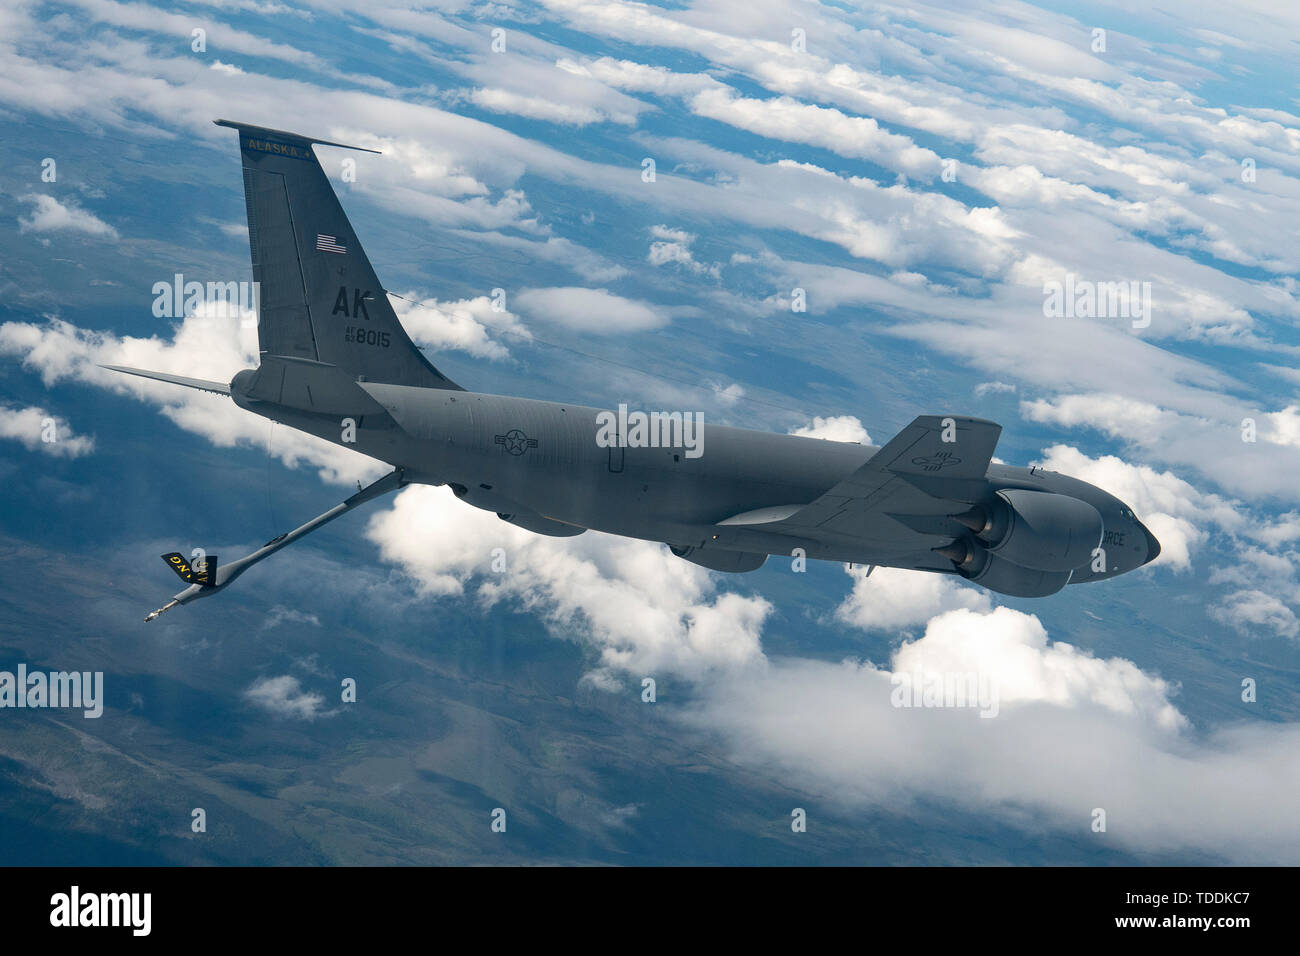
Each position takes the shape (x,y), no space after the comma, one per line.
(336,362)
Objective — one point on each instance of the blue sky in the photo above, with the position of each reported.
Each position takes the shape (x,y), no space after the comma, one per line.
(777,167)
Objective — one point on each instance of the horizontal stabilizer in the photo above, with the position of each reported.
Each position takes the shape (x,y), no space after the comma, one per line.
(219,388)
(284,135)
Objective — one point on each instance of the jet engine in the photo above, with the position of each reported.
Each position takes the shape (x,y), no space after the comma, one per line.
(1036,529)
(718,559)
(976,563)
(507,510)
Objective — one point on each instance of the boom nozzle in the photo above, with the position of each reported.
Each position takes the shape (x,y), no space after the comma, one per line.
(166,607)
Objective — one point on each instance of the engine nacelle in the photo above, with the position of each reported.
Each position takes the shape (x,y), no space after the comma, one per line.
(974,562)
(1037,529)
(485,497)
(719,559)
(999,574)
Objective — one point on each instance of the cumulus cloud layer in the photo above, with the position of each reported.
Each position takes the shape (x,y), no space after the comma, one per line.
(892,599)
(642,610)
(1073,734)
(949,257)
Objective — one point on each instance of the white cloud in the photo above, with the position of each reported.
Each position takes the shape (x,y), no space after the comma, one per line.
(1276,532)
(466,324)
(729,394)
(788,119)
(142,16)
(1072,732)
(641,77)
(1284,426)
(544,88)
(1210,443)
(1265,589)
(674,246)
(287,615)
(38,430)
(672,235)
(590,310)
(1251,612)
(643,610)
(206,345)
(835,428)
(284,697)
(893,599)
(1117,415)
(535,107)
(50,215)
(1013,646)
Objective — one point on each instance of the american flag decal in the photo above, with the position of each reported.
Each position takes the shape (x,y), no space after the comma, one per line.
(327,244)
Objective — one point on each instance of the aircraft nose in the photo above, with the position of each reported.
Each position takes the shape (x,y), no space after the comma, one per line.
(1153,546)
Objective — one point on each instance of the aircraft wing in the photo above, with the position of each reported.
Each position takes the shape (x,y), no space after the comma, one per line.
(901,498)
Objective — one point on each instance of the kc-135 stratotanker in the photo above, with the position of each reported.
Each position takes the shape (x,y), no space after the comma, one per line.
(331,348)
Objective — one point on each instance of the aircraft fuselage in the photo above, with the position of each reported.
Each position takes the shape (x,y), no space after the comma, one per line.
(519,456)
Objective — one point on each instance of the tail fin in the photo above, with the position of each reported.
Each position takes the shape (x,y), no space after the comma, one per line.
(319,297)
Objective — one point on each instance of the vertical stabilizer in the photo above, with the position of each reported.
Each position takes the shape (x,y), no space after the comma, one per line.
(320,299)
